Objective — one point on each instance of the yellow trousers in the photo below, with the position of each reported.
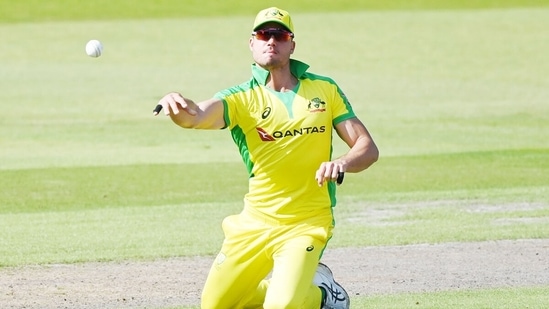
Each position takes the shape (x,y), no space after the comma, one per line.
(265,263)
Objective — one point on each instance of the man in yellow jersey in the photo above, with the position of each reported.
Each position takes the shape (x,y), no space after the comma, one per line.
(282,121)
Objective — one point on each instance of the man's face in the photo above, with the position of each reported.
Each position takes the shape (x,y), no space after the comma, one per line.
(272,46)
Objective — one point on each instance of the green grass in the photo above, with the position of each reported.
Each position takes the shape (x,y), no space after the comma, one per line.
(505,298)
(454,95)
(37,10)
(71,214)
(463,176)
(80,188)
(112,233)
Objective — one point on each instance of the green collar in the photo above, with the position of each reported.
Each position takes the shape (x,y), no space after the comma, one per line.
(297,68)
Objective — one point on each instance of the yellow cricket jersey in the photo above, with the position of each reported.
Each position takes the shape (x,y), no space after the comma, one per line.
(283,137)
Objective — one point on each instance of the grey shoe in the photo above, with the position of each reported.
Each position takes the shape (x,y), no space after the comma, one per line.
(336,296)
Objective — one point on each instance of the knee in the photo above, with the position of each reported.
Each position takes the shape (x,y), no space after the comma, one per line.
(211,303)
(282,303)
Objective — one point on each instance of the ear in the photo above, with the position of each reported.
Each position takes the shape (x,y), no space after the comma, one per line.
(251,43)
(293,47)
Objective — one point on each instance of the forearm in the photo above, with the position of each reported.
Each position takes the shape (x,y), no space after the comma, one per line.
(187,114)
(360,156)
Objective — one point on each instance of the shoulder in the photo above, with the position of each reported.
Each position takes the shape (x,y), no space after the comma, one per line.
(242,88)
(314,77)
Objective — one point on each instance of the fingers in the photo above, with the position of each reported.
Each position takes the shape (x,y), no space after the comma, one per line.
(330,171)
(172,103)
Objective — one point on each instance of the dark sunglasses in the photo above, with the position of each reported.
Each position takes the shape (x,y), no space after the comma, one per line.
(278,34)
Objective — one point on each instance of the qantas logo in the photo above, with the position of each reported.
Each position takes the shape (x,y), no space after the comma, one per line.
(266,137)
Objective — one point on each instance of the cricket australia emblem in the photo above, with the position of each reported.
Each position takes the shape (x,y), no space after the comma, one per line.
(316,105)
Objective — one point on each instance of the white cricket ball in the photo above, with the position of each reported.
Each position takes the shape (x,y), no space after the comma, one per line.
(94,48)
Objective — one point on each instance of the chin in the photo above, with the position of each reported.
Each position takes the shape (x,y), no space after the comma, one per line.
(272,63)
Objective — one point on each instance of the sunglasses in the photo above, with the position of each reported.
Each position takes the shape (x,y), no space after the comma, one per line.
(280,35)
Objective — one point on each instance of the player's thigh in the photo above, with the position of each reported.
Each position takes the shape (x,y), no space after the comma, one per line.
(240,265)
(295,263)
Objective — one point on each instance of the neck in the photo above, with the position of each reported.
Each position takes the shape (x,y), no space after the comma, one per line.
(281,79)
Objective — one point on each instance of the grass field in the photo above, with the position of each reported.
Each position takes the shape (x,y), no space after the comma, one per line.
(455,95)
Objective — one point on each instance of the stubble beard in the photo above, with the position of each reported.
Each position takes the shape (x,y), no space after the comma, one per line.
(271,63)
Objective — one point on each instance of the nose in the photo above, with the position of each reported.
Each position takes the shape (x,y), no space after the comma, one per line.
(271,39)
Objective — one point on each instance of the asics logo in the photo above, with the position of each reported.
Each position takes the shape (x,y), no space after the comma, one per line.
(335,294)
(266,113)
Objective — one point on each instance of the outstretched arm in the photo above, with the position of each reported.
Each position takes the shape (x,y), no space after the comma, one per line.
(362,154)
(187,114)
